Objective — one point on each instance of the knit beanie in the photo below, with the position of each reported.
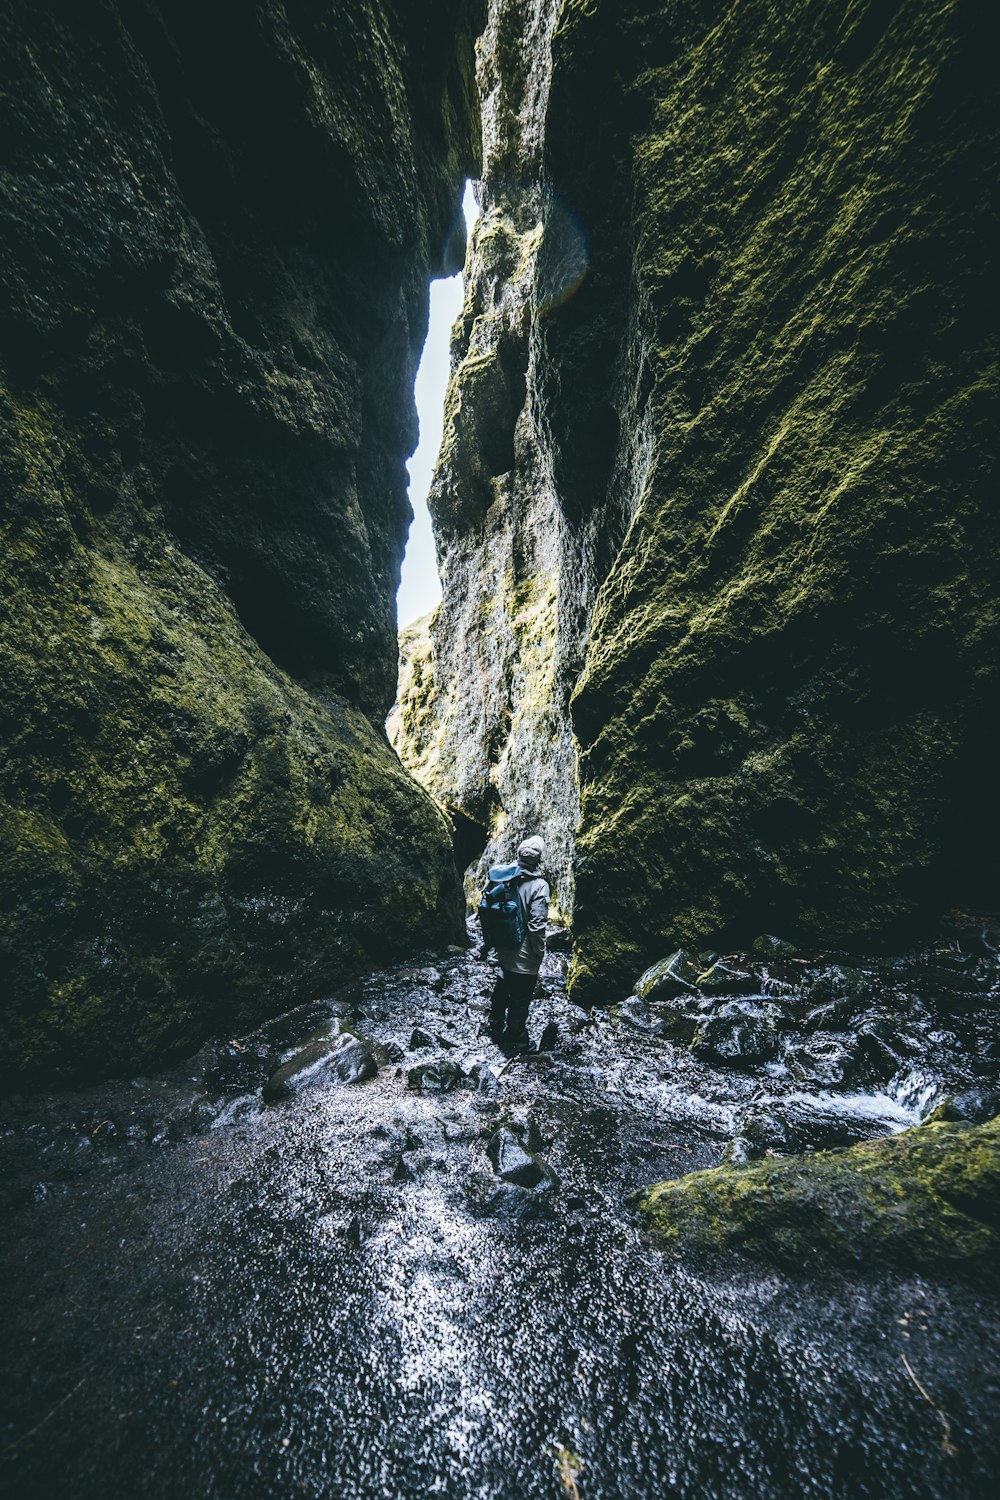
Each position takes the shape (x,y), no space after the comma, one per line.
(529,853)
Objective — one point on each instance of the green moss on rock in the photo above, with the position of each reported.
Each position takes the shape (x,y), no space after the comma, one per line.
(923,1200)
(212,301)
(784,714)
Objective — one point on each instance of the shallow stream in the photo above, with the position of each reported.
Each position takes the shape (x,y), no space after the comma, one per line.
(336,1294)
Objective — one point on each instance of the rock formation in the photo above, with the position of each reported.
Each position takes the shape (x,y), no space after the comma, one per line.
(218,226)
(482,717)
(925,1200)
(716,519)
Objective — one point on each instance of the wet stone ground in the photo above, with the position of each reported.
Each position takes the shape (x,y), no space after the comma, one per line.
(413,1270)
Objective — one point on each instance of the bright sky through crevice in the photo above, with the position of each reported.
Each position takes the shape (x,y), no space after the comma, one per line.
(420,587)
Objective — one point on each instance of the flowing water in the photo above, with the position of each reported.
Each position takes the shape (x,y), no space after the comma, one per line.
(336,1294)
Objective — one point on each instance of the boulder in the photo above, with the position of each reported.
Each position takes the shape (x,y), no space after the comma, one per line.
(976,1106)
(558,939)
(727,976)
(238,1065)
(671,976)
(514,1164)
(768,946)
(863,1056)
(738,1036)
(436,1077)
(927,1199)
(341,1059)
(802,1123)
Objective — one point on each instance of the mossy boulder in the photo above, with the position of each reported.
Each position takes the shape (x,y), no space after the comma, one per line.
(925,1200)
(219,227)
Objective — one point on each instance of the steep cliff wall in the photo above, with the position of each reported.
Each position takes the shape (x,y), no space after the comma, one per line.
(766,422)
(482,717)
(218,226)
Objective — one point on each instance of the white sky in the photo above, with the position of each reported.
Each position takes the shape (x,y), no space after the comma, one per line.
(420,587)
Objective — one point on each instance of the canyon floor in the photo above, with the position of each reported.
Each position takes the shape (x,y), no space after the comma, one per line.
(338,1294)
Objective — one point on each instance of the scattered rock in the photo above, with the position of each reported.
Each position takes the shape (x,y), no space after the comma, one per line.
(522,1124)
(514,1164)
(737,1036)
(678,1019)
(825,1059)
(830,1016)
(436,1077)
(768,946)
(483,1077)
(343,1058)
(634,1011)
(420,1040)
(191,1120)
(670,976)
(428,976)
(976,1106)
(835,984)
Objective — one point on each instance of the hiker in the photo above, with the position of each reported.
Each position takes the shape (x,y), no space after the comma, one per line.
(519,965)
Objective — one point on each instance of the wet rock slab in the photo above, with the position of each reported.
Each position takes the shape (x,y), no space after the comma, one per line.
(342,1058)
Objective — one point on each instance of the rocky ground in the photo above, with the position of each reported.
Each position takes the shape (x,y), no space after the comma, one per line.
(360,1252)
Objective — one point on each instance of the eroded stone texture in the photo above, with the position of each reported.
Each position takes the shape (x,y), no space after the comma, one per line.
(218,225)
(784,712)
(752,469)
(482,716)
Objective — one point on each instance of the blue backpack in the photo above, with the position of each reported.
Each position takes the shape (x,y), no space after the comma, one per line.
(500,915)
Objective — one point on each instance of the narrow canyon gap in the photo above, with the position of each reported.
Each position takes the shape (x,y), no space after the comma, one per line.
(420,586)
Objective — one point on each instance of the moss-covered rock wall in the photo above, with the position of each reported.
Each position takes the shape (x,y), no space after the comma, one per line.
(218,225)
(792,669)
(769,415)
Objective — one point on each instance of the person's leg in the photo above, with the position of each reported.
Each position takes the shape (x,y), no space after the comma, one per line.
(522,987)
(498,1005)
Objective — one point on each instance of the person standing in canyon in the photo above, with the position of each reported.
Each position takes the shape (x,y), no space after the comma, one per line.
(511,999)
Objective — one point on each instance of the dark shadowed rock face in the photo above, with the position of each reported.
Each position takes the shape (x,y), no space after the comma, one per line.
(218,225)
(760,436)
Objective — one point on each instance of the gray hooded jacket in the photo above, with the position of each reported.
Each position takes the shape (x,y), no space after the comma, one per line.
(533,894)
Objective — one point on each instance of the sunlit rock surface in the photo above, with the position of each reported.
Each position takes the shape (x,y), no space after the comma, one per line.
(218,224)
(482,715)
(734,488)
